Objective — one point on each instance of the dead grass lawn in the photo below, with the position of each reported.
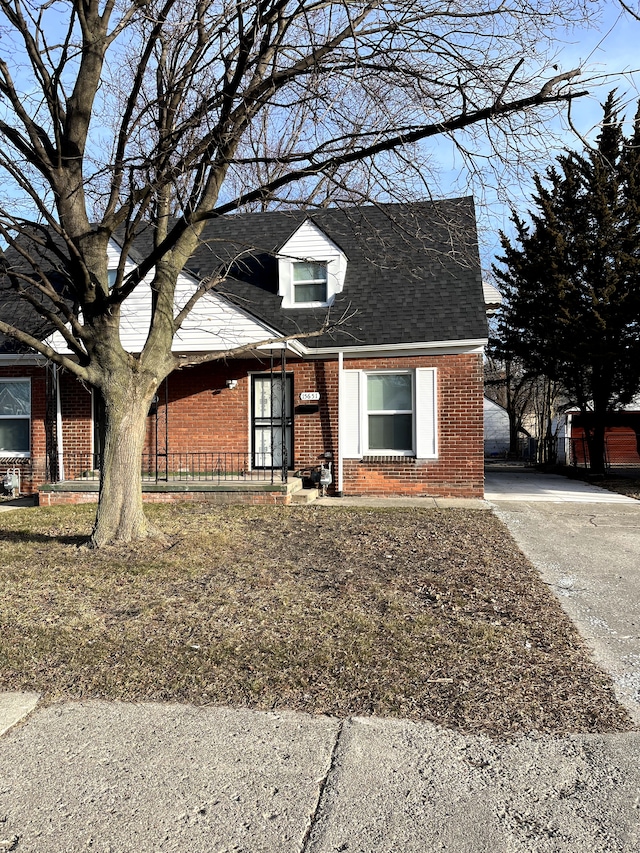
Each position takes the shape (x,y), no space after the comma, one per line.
(426,614)
(622,485)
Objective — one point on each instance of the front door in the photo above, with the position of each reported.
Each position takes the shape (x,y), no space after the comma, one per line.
(271,430)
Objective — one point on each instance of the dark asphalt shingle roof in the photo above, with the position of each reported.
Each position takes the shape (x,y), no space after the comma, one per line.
(413,271)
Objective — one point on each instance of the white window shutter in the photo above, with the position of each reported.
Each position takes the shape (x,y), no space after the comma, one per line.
(426,414)
(351,415)
(285,285)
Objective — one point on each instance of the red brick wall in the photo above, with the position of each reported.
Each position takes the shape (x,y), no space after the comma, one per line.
(56,498)
(77,427)
(204,415)
(32,469)
(459,469)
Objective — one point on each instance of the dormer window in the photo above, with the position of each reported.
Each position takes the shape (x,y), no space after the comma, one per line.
(309,281)
(311,268)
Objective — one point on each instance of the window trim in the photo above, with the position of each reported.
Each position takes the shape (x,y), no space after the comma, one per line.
(18,454)
(366,448)
(353,415)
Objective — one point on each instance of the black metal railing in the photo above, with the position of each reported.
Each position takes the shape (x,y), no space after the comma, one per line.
(205,466)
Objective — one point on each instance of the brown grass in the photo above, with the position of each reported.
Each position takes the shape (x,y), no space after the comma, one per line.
(426,614)
(628,486)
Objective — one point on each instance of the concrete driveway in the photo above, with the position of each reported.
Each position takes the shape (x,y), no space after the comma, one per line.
(585,542)
(531,486)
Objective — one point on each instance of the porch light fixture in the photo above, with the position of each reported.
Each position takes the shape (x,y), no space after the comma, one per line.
(231,384)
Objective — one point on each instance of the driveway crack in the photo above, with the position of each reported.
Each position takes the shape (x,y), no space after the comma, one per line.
(313,817)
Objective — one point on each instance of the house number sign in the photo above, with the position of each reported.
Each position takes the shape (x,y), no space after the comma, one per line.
(310,395)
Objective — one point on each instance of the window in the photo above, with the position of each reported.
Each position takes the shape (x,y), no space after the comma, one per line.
(311,268)
(390,411)
(15,417)
(309,281)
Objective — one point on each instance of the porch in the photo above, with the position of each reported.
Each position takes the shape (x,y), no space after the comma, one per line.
(207,476)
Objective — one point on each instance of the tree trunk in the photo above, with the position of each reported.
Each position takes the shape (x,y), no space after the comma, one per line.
(514,434)
(120,516)
(595,442)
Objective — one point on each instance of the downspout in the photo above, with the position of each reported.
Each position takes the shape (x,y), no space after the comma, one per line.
(59,443)
(340,423)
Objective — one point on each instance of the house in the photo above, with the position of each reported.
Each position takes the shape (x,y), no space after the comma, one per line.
(496,430)
(388,402)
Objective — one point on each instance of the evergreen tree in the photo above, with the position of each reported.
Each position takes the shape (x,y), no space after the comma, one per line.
(571,278)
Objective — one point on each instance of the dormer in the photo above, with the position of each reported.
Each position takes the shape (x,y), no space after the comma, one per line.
(311,268)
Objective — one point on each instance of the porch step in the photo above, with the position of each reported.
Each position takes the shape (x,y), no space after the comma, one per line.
(304,496)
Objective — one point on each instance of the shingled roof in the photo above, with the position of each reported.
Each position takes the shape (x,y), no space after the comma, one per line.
(413,271)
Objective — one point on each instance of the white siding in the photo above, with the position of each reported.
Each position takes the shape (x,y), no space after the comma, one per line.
(213,325)
(309,241)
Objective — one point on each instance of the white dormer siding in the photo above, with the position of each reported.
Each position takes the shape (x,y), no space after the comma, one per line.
(214,324)
(310,243)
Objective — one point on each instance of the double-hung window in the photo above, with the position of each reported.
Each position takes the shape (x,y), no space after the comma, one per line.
(15,417)
(309,281)
(390,412)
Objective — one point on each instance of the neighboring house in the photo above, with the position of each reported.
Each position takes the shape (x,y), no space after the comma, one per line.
(393,397)
(496,429)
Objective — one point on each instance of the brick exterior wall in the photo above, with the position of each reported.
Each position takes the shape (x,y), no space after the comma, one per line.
(33,469)
(203,415)
(218,498)
(459,469)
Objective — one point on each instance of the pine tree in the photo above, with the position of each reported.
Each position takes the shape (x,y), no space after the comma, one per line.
(571,277)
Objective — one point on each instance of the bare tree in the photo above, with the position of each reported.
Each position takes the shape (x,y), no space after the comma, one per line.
(508,384)
(167,113)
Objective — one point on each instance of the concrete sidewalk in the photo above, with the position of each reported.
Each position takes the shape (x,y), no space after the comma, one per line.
(152,778)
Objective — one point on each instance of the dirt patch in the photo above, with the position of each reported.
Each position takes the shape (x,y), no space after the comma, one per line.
(424,614)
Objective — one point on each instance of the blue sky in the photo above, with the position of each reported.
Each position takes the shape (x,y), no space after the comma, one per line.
(609,54)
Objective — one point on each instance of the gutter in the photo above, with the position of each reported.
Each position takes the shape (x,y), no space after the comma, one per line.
(457,347)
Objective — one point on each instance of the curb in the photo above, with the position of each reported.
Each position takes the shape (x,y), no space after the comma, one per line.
(15,707)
